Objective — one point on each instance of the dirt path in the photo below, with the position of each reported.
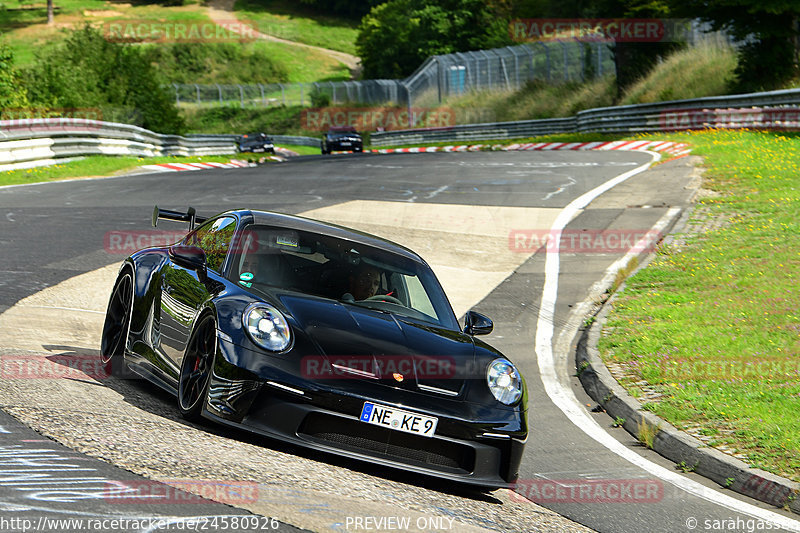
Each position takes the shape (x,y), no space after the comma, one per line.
(221,11)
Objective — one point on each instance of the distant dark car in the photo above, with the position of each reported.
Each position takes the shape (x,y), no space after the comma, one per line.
(344,139)
(263,322)
(256,143)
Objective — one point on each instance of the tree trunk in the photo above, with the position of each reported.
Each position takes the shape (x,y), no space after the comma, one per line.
(50,15)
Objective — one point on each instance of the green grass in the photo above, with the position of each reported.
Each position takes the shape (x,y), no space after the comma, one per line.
(703,70)
(304,65)
(536,99)
(301,150)
(713,324)
(289,20)
(95,166)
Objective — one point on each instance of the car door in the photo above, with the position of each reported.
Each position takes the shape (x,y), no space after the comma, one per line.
(184,290)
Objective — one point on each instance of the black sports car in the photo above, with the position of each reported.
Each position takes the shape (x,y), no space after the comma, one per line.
(256,143)
(321,336)
(342,139)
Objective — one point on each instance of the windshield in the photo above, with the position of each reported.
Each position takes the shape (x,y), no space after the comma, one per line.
(340,270)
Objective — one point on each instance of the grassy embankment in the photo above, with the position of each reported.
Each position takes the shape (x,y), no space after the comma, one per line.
(231,60)
(295,22)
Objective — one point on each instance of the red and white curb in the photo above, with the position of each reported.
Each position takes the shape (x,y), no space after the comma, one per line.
(672,148)
(180,167)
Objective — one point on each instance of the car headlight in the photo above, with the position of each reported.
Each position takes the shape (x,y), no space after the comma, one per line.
(267,327)
(504,381)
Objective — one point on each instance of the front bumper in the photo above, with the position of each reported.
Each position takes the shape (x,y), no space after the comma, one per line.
(484,451)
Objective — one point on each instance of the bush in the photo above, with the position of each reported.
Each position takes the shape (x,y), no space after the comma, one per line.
(86,71)
(12,95)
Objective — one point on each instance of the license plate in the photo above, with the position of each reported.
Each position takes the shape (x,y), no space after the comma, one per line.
(345,144)
(399,420)
(258,149)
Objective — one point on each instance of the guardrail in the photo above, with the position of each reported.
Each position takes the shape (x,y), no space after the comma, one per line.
(33,142)
(767,110)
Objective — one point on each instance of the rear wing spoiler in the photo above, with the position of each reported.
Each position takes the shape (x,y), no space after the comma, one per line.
(189,216)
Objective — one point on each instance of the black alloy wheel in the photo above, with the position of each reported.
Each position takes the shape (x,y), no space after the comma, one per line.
(196,368)
(118,319)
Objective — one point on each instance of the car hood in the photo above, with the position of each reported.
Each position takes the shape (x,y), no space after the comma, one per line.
(370,344)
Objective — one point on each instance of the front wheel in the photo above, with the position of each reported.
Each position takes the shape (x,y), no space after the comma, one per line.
(118,319)
(196,368)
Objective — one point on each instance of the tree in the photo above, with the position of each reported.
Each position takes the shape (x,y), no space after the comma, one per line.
(770,30)
(50,13)
(397,36)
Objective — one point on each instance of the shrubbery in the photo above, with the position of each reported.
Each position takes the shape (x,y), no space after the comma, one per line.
(87,71)
(214,63)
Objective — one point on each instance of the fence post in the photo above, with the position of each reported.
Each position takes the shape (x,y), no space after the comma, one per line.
(219,91)
(283,94)
(505,72)
(263,98)
(177,96)
(197,92)
(566,65)
(241,97)
(599,52)
(301,95)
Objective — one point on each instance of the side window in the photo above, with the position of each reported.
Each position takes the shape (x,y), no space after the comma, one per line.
(214,238)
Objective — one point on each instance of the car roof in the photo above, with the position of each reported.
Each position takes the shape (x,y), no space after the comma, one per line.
(269,218)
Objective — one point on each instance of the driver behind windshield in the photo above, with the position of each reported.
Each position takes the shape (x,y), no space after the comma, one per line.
(363,283)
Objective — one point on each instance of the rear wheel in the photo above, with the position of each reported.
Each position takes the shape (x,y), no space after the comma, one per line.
(196,368)
(118,320)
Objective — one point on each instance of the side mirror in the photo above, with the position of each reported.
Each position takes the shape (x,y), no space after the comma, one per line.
(477,324)
(191,257)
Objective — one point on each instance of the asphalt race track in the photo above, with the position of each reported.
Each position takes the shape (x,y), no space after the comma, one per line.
(476,218)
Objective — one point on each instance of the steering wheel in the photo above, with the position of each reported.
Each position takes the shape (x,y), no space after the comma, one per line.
(385,298)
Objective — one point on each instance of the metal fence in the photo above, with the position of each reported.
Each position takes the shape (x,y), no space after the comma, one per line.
(775,110)
(438,78)
(507,68)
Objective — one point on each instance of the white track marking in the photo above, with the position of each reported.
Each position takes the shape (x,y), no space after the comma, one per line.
(565,400)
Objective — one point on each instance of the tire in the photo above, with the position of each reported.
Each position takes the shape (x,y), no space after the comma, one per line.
(196,369)
(117,324)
